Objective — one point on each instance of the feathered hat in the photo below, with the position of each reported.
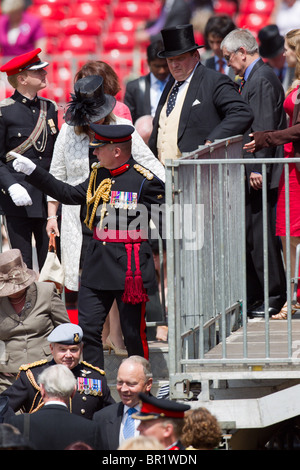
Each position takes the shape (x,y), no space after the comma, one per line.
(88,102)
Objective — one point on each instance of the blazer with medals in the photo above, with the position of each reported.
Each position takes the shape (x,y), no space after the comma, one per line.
(105,264)
(18,118)
(212,109)
(25,395)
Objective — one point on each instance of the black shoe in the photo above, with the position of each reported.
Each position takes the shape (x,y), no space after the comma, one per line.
(252,304)
(259,312)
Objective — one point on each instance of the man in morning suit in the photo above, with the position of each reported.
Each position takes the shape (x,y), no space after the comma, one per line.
(28,125)
(208,105)
(142,94)
(163,419)
(121,198)
(134,376)
(263,91)
(53,427)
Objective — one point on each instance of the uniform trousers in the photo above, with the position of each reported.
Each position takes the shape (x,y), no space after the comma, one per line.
(93,308)
(20,231)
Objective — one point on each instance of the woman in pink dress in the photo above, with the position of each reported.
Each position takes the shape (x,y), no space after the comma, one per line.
(273,138)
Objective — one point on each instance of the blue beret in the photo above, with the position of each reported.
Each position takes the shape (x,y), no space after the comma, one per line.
(66,333)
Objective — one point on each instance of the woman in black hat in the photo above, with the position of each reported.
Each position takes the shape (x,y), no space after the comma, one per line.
(71,162)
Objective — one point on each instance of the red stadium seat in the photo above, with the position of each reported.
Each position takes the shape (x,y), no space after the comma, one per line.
(120,41)
(80,26)
(78,44)
(143,11)
(48,12)
(58,3)
(51,27)
(225,7)
(86,10)
(125,25)
(256,6)
(253,21)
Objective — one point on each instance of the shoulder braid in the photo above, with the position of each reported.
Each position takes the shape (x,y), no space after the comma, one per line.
(102,372)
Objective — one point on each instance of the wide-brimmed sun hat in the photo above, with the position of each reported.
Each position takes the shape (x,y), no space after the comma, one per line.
(14,274)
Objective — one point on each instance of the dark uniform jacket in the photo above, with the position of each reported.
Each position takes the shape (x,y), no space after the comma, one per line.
(54,428)
(24,393)
(105,263)
(18,117)
(212,109)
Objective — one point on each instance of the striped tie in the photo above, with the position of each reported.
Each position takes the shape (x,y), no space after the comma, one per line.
(129,426)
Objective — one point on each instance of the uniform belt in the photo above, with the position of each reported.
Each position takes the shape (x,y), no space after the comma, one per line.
(120,236)
(134,290)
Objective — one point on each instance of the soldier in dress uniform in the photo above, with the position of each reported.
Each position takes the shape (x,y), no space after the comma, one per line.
(121,197)
(28,125)
(66,346)
(163,419)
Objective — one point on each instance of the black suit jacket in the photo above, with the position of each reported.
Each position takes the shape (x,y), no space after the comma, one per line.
(137,97)
(110,422)
(264,93)
(53,427)
(213,109)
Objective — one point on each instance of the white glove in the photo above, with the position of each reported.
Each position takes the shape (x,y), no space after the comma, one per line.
(22,164)
(19,195)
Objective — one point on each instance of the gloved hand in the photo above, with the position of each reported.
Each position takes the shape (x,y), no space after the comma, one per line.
(23,164)
(19,195)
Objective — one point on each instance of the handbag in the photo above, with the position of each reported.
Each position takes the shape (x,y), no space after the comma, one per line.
(52,270)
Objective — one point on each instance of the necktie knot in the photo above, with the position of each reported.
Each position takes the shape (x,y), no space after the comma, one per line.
(172,97)
(131,411)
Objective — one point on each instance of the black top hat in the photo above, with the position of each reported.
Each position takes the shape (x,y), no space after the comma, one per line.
(110,134)
(178,40)
(89,103)
(271,41)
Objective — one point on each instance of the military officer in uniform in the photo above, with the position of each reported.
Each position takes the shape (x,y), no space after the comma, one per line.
(118,263)
(66,345)
(28,125)
(163,419)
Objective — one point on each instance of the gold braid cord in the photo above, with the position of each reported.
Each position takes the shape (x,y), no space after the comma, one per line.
(40,404)
(102,192)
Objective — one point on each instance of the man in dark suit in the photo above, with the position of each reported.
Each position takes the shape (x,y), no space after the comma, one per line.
(121,198)
(28,125)
(271,48)
(134,376)
(262,90)
(54,427)
(142,94)
(208,105)
(163,419)
(216,28)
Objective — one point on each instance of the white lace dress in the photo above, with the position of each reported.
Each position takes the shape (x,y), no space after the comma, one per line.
(70,163)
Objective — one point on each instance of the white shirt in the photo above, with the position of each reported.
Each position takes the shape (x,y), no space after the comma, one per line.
(156,89)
